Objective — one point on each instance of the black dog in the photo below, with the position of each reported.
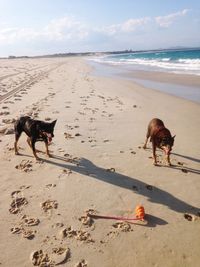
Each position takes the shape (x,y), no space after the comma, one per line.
(36,131)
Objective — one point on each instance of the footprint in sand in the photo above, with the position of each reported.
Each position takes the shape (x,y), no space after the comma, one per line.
(25,165)
(77,134)
(184,170)
(68,136)
(29,234)
(7,130)
(57,225)
(16,230)
(135,188)
(58,256)
(50,186)
(29,221)
(92,120)
(83,236)
(111,234)
(71,159)
(49,205)
(86,220)
(8,121)
(26,233)
(149,187)
(16,194)
(47,119)
(123,226)
(4,113)
(80,235)
(180,163)
(65,171)
(191,217)
(22,187)
(18,202)
(81,263)
(39,258)
(110,170)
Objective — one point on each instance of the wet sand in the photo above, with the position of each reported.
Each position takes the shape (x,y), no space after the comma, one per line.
(181,85)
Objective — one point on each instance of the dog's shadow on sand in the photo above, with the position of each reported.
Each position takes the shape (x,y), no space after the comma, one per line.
(179,167)
(153,194)
(186,157)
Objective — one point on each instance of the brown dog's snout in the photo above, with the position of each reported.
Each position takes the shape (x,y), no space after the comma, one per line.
(167,150)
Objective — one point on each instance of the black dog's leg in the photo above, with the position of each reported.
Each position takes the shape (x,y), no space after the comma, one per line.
(18,132)
(32,145)
(29,142)
(47,149)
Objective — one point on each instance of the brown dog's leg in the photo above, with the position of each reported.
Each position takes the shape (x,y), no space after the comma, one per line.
(154,154)
(168,160)
(147,137)
(145,144)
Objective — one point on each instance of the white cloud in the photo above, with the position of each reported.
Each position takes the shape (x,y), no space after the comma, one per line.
(71,34)
(65,28)
(70,29)
(125,27)
(133,24)
(166,21)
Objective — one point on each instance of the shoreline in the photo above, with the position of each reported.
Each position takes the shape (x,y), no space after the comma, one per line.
(186,86)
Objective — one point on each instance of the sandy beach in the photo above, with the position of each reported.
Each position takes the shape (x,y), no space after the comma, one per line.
(98,165)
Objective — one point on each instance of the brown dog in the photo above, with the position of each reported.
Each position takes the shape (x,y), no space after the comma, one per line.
(160,137)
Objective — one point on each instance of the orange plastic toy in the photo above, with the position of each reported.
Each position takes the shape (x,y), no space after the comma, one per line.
(139,212)
(139,215)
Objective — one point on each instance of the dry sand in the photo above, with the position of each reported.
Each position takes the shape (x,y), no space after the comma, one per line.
(98,164)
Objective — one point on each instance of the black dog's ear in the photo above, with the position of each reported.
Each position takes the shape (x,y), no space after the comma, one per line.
(173,136)
(54,122)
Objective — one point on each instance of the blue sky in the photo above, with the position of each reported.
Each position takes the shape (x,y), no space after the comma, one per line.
(36,27)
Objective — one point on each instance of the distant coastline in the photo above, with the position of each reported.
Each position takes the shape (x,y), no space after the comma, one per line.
(100,53)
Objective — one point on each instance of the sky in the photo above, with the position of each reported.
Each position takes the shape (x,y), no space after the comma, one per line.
(41,27)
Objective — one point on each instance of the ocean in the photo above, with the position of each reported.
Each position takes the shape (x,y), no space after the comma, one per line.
(171,61)
(176,61)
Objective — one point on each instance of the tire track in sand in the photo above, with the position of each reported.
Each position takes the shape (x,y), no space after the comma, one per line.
(28,83)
